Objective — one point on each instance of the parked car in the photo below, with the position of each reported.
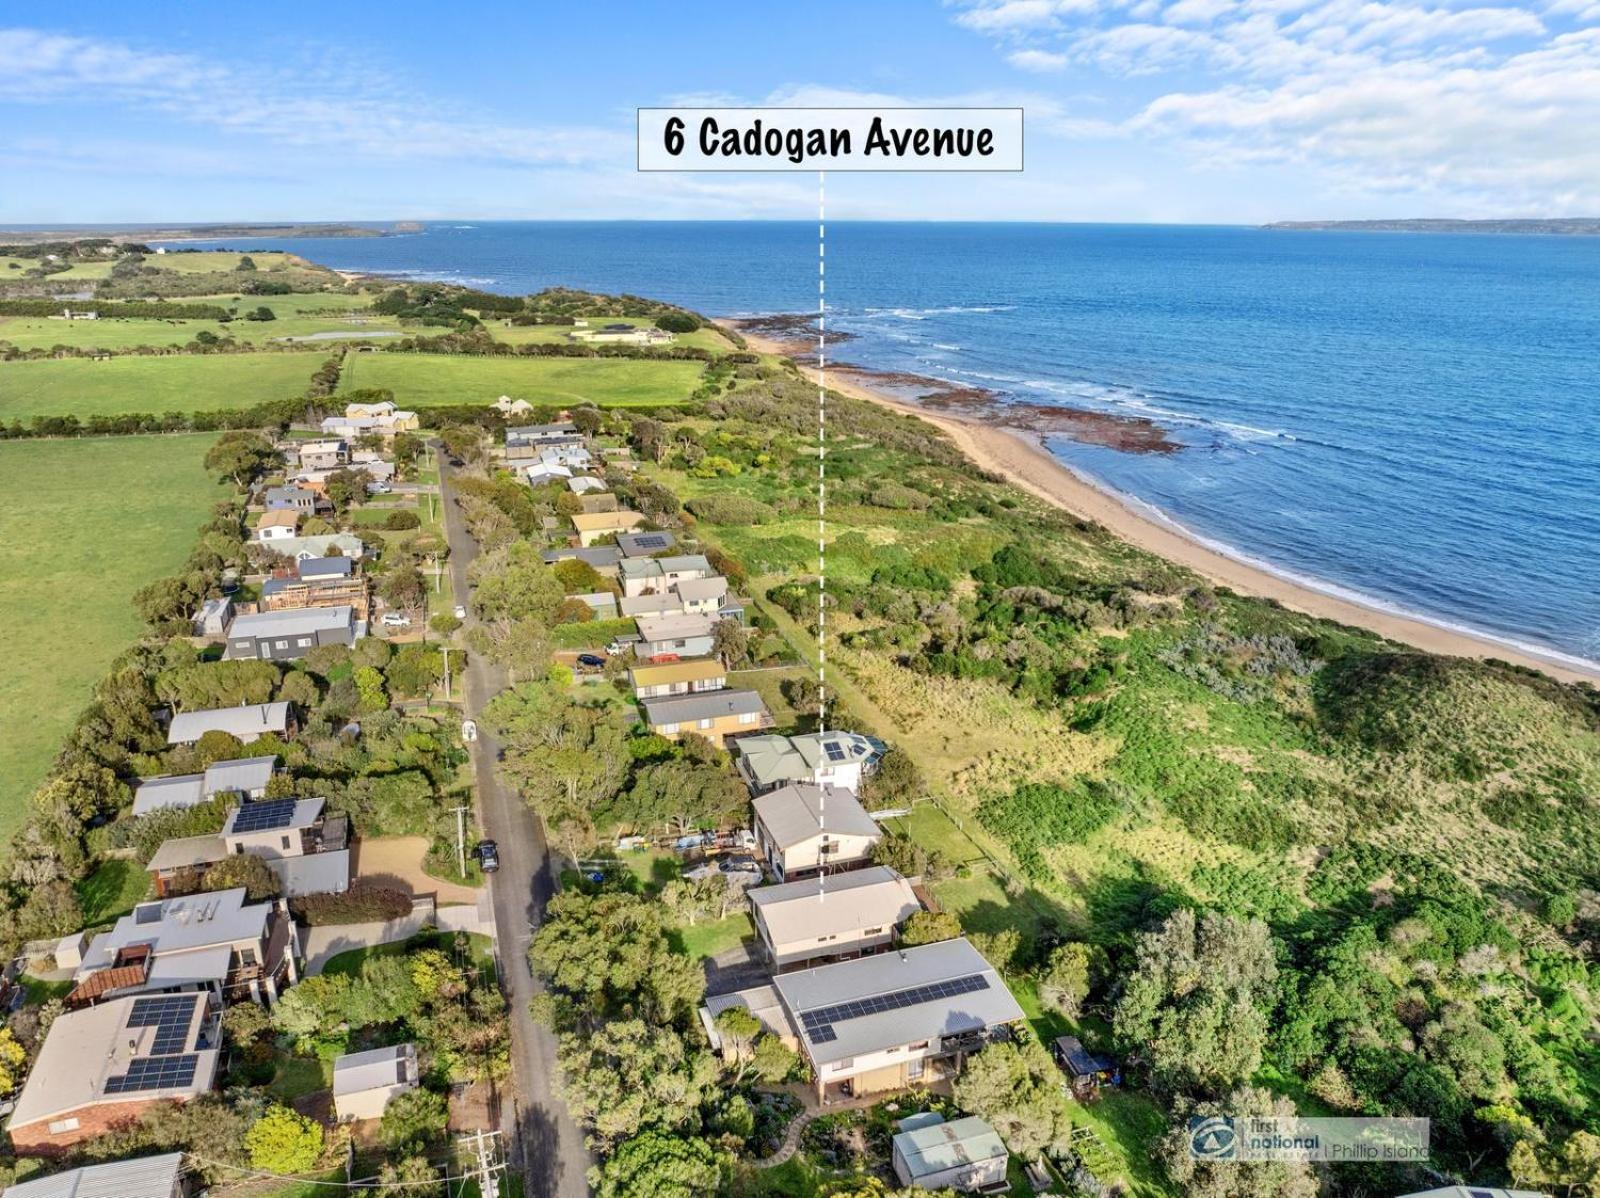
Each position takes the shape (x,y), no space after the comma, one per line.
(395,619)
(739,865)
(488,854)
(618,648)
(591,661)
(378,488)
(461,611)
(694,840)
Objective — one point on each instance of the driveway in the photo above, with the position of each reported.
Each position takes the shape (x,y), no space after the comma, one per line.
(398,860)
(546,1143)
(320,945)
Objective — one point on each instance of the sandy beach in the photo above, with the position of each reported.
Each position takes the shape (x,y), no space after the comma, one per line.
(1020,457)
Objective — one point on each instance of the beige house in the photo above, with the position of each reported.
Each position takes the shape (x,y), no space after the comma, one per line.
(594,526)
(364,1082)
(678,678)
(715,715)
(804,829)
(277,525)
(655,575)
(846,915)
(885,1022)
(964,1154)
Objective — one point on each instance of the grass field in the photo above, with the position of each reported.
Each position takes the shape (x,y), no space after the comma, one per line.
(421,380)
(296,316)
(530,334)
(81,387)
(84,524)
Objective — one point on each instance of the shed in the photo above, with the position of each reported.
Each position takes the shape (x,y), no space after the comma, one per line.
(965,1154)
(70,949)
(364,1082)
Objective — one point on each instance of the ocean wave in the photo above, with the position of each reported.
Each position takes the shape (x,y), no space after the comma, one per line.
(436,276)
(954,349)
(1158,515)
(949,310)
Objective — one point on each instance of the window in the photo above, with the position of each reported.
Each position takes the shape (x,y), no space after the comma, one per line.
(285,842)
(872,932)
(706,723)
(281,645)
(668,729)
(841,1066)
(61,1125)
(748,717)
(247,956)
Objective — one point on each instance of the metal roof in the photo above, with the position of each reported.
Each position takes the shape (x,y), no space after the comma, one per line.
(896,998)
(842,904)
(643,544)
(773,759)
(800,811)
(696,669)
(327,872)
(676,627)
(272,815)
(182,924)
(294,622)
(606,521)
(938,1147)
(706,705)
(374,1069)
(325,567)
(599,556)
(246,722)
(187,852)
(141,1177)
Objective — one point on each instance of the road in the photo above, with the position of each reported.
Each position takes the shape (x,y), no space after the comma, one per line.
(554,1158)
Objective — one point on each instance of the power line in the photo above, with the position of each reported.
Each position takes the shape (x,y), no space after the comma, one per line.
(263,1175)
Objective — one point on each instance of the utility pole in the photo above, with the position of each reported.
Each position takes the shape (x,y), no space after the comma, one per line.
(487,1168)
(461,840)
(445,651)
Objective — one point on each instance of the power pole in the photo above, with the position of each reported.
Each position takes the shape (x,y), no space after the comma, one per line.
(445,651)
(487,1167)
(461,840)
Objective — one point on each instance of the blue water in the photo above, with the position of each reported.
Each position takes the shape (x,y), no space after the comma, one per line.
(1410,418)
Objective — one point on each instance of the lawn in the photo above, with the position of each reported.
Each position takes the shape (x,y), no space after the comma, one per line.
(324,315)
(112,890)
(707,337)
(423,380)
(84,387)
(298,1076)
(703,940)
(350,963)
(85,525)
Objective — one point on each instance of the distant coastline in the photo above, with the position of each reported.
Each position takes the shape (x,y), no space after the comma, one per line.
(1573,226)
(204,232)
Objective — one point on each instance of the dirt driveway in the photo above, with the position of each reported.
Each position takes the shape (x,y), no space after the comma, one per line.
(398,859)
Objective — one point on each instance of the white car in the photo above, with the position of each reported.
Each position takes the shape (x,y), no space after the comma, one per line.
(461,611)
(394,619)
(378,488)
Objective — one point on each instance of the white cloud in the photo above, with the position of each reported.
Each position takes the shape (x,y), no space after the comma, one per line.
(1038,61)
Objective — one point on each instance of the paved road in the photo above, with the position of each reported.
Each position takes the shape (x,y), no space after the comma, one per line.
(554,1158)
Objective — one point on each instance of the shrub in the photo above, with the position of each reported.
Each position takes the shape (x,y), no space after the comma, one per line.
(677,322)
(402,519)
(444,623)
(359,904)
(730,509)
(282,1141)
(898,497)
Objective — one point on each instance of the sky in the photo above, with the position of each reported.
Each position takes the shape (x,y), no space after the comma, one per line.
(1175,111)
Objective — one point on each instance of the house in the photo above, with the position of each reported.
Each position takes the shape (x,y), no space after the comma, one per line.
(678,678)
(308,850)
(664,603)
(675,635)
(541,473)
(214,941)
(847,915)
(327,454)
(317,582)
(278,525)
(290,634)
(507,406)
(373,467)
(382,418)
(643,544)
(321,545)
(595,526)
(654,575)
(245,778)
(141,1177)
(364,1082)
(604,558)
(883,1022)
(599,501)
(839,758)
(1085,1071)
(532,441)
(320,569)
(623,334)
(586,484)
(247,723)
(105,1066)
(715,715)
(291,499)
(964,1154)
(213,617)
(602,604)
(803,829)
(573,457)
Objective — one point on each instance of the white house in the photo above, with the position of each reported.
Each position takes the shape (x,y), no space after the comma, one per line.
(803,829)
(847,915)
(364,1082)
(280,524)
(834,758)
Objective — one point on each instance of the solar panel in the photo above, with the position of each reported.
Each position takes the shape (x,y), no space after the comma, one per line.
(835,750)
(155,1073)
(259,817)
(170,1016)
(819,1023)
(650,541)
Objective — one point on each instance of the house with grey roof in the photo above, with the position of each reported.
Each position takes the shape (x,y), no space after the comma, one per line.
(529,440)
(804,829)
(647,575)
(215,941)
(316,569)
(213,618)
(306,849)
(675,635)
(964,1154)
(643,544)
(716,715)
(247,723)
(603,558)
(245,777)
(139,1177)
(291,499)
(831,917)
(882,1022)
(365,1082)
(835,758)
(289,634)
(104,1066)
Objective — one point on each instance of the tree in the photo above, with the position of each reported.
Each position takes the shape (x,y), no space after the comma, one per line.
(1194,1001)
(414,1121)
(1017,1088)
(413,1176)
(1233,1178)
(930,927)
(559,751)
(299,688)
(241,456)
(677,322)
(896,782)
(346,486)
(629,1074)
(246,263)
(217,745)
(1573,1165)
(403,588)
(514,583)
(261,312)
(282,1141)
(656,1165)
(407,448)
(415,670)
(1459,1041)
(312,1004)
(1067,976)
(12,1056)
(730,643)
(247,870)
(611,951)
(369,687)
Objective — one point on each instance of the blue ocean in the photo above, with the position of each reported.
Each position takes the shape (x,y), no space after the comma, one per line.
(1410,419)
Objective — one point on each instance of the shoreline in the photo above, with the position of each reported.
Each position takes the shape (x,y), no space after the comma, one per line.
(1020,456)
